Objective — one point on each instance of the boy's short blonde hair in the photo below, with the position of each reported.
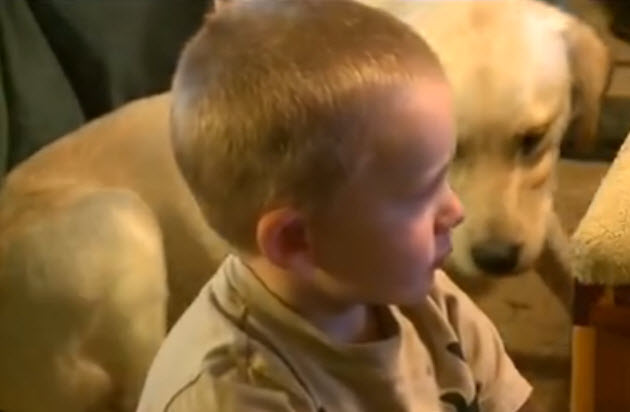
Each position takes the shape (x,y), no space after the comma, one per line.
(260,94)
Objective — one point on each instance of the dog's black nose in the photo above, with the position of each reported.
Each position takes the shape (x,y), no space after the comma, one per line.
(496,257)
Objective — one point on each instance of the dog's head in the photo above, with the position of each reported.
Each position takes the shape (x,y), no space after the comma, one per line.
(521,72)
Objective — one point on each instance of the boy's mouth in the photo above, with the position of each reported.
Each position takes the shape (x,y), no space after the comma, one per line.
(444,249)
(439,261)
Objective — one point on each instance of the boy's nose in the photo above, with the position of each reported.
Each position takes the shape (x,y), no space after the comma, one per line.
(456,209)
(452,213)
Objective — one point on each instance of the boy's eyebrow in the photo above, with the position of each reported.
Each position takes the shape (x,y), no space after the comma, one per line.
(440,175)
(442,171)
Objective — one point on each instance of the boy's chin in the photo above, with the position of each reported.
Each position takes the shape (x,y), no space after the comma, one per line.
(414,296)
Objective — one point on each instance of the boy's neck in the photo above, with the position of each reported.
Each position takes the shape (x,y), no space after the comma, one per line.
(340,321)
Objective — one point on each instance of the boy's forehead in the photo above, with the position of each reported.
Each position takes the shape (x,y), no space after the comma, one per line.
(406,120)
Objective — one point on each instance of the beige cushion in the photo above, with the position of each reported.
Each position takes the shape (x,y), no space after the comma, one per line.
(601,243)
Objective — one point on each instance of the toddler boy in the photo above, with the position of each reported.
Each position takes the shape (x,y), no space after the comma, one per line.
(317,137)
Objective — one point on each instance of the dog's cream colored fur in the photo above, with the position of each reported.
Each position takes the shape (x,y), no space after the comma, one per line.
(97,227)
(89,228)
(518,67)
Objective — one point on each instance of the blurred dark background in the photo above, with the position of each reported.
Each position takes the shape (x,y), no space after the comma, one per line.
(64,62)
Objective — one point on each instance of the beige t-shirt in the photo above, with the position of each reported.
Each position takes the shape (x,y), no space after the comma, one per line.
(238,348)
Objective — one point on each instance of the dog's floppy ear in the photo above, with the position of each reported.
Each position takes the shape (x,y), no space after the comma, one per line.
(590,64)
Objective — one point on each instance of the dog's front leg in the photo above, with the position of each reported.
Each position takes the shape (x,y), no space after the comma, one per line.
(554,266)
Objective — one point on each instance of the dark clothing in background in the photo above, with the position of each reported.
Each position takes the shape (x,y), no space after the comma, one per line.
(64,62)
(619,11)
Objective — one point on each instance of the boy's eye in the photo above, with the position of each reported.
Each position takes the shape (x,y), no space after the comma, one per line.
(435,187)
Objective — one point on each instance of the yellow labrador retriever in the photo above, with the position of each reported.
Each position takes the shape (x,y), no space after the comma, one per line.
(94,230)
(521,72)
(98,230)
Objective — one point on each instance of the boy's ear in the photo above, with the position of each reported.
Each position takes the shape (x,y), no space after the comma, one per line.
(282,237)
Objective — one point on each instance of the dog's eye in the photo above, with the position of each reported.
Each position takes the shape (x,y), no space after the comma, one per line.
(529,143)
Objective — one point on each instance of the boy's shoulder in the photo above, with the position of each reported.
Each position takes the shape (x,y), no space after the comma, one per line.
(209,360)
(202,339)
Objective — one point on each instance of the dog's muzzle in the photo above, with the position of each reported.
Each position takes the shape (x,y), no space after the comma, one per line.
(496,257)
